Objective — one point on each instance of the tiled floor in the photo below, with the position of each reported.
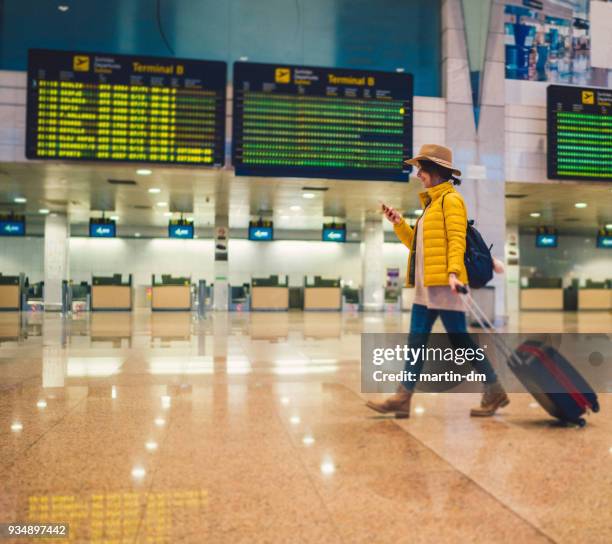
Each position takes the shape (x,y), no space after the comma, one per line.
(252,428)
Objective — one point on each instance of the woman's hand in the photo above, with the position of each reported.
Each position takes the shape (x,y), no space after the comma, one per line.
(498,266)
(392,214)
(454,282)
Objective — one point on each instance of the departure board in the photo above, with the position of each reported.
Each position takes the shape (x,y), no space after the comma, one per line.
(321,122)
(107,107)
(579,133)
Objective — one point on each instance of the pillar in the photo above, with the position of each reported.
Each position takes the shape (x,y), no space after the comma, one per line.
(478,150)
(221,266)
(372,266)
(513,288)
(57,232)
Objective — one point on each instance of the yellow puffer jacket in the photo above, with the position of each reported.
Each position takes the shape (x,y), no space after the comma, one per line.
(443,237)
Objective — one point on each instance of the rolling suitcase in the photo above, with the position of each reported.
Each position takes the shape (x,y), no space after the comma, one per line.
(546,374)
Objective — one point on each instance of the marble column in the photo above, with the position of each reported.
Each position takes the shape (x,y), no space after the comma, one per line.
(221,268)
(57,232)
(491,149)
(478,151)
(513,288)
(372,266)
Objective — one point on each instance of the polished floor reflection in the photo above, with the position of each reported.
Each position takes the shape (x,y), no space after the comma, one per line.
(251,428)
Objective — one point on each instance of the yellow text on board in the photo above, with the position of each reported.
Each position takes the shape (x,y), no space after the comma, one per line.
(350,80)
(138,67)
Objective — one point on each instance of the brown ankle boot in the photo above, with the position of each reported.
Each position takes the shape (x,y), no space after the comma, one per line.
(494,397)
(398,403)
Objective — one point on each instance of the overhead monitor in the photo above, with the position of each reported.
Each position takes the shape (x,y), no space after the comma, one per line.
(12,226)
(604,241)
(305,121)
(181,229)
(261,231)
(124,108)
(579,133)
(334,232)
(102,228)
(547,240)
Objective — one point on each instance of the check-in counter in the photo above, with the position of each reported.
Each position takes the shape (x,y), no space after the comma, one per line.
(111,293)
(595,296)
(171,294)
(542,294)
(322,294)
(269,294)
(10,293)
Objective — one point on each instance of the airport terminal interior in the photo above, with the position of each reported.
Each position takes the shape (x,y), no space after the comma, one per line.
(194,255)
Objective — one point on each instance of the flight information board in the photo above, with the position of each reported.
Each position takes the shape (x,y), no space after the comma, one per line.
(303,121)
(579,133)
(106,107)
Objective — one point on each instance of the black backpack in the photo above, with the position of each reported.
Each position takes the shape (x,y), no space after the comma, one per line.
(478,260)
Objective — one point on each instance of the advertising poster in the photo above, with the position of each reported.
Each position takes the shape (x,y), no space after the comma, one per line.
(552,41)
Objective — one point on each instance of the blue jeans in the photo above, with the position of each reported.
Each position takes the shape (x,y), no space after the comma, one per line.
(421,323)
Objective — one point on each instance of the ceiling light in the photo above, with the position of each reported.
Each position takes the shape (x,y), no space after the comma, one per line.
(534,214)
(151,446)
(137,235)
(16,427)
(63,8)
(609,226)
(154,190)
(168,214)
(580,205)
(162,204)
(114,217)
(20,200)
(308,440)
(308,195)
(160,421)
(44,211)
(144,172)
(41,403)
(295,208)
(295,420)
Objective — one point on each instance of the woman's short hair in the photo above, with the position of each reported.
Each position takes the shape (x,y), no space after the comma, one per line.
(436,170)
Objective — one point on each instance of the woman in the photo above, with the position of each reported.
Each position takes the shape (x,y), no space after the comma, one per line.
(436,269)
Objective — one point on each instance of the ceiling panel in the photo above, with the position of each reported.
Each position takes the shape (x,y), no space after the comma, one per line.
(83,189)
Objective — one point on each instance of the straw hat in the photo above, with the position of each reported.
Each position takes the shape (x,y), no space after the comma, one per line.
(435,153)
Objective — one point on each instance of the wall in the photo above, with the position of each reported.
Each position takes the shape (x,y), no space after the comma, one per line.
(195,258)
(25,255)
(576,257)
(525,131)
(382,35)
